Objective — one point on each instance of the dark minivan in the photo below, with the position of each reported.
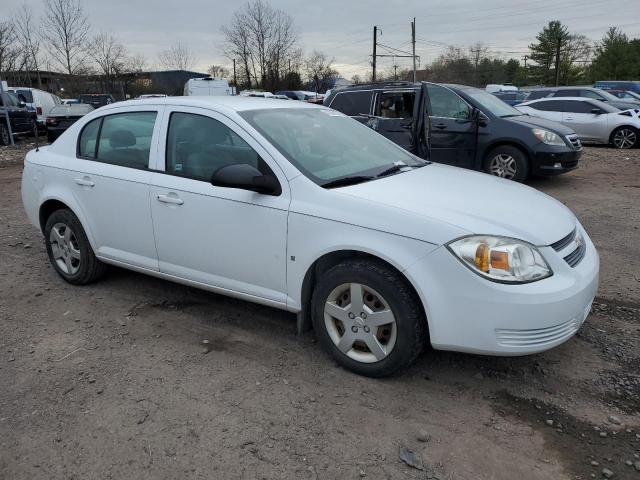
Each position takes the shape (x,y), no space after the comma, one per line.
(462,126)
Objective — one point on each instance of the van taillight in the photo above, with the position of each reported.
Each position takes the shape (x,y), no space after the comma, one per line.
(39,110)
(51,121)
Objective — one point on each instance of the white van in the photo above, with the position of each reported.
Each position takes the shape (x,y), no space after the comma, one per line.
(495,87)
(42,102)
(207,86)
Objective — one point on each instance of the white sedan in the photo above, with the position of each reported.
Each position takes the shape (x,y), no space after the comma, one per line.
(594,121)
(301,208)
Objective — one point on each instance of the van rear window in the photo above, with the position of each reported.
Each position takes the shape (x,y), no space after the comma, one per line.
(352,103)
(28,96)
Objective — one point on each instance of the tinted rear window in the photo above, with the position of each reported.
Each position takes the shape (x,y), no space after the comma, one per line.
(352,103)
(28,96)
(536,94)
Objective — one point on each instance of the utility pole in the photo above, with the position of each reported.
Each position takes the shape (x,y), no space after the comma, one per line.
(413,43)
(235,82)
(558,45)
(375,41)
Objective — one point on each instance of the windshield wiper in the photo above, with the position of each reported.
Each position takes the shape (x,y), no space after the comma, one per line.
(345,181)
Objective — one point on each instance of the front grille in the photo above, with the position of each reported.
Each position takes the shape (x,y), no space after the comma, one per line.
(577,255)
(563,242)
(538,337)
(570,165)
(574,141)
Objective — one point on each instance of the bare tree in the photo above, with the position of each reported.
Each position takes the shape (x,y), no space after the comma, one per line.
(263,40)
(109,55)
(218,71)
(177,57)
(136,63)
(28,39)
(9,51)
(317,68)
(65,28)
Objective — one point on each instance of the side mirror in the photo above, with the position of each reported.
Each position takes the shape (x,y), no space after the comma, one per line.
(596,111)
(246,177)
(479,118)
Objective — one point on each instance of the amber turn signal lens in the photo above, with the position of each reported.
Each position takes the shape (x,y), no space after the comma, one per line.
(482,257)
(500,260)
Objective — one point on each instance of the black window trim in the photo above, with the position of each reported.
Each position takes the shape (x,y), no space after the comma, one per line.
(95,153)
(166,143)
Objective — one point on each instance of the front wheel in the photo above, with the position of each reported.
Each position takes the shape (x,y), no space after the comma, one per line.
(368,318)
(507,162)
(625,137)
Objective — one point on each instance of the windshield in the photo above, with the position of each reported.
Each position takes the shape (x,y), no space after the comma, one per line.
(326,145)
(28,97)
(608,96)
(491,103)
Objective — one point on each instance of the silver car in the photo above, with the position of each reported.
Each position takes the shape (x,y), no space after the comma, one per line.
(594,121)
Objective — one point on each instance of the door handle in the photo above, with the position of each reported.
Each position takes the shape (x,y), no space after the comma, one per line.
(440,126)
(85,181)
(568,118)
(171,199)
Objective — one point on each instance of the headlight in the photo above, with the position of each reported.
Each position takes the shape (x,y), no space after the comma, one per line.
(550,138)
(501,259)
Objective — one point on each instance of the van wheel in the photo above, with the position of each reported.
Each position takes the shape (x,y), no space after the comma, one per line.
(4,135)
(625,137)
(69,250)
(368,318)
(507,162)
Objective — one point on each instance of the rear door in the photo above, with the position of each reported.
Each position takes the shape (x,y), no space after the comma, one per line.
(549,109)
(453,135)
(110,180)
(394,112)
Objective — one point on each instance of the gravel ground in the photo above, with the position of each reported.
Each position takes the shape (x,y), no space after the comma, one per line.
(112,380)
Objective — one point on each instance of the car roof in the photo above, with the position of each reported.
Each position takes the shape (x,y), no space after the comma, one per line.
(561,99)
(567,88)
(235,103)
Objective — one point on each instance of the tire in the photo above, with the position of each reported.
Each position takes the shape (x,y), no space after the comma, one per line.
(4,134)
(507,162)
(33,129)
(625,137)
(69,250)
(385,295)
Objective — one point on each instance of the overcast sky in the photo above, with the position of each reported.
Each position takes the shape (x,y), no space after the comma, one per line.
(343,28)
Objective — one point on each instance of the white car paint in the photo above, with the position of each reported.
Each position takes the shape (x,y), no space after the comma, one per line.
(207,86)
(590,127)
(260,247)
(42,102)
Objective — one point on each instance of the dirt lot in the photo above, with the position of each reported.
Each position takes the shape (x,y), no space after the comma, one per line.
(112,380)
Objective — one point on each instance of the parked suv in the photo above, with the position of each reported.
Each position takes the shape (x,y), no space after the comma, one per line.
(632,86)
(462,126)
(97,100)
(22,119)
(586,92)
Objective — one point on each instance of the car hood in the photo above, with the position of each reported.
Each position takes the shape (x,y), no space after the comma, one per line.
(472,202)
(531,121)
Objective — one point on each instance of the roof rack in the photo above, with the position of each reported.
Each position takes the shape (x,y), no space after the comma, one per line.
(399,83)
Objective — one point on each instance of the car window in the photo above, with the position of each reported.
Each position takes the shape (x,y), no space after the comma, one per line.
(352,103)
(395,105)
(549,106)
(575,106)
(27,94)
(124,139)
(591,94)
(197,146)
(88,140)
(536,94)
(445,103)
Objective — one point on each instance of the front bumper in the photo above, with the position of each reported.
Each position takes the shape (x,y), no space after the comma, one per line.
(555,162)
(471,314)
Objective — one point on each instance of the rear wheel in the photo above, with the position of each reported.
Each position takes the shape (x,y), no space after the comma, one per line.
(507,162)
(625,137)
(368,318)
(4,134)
(69,250)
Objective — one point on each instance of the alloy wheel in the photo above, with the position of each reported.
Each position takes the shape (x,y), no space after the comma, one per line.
(503,165)
(65,248)
(360,322)
(624,138)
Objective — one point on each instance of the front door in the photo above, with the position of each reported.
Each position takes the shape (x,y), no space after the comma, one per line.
(453,131)
(579,116)
(223,237)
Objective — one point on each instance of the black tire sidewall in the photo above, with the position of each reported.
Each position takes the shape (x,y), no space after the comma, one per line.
(635,130)
(410,323)
(522,163)
(4,133)
(67,217)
